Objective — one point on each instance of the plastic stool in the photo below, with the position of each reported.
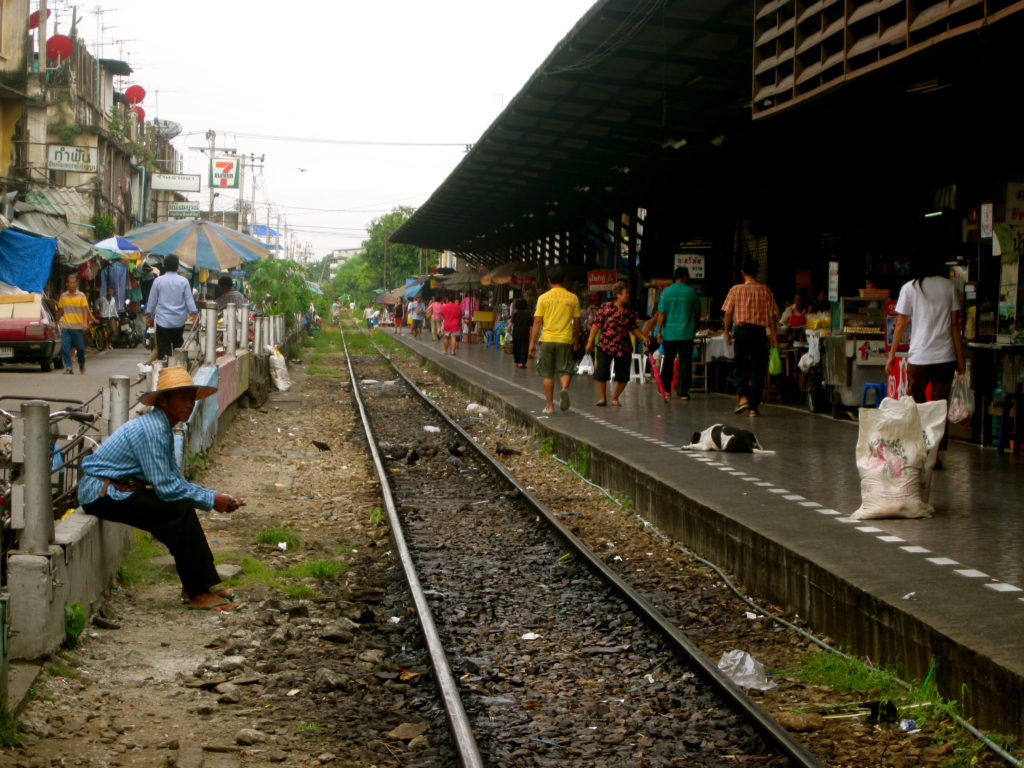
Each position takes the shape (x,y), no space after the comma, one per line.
(638,368)
(1012,402)
(876,387)
(490,339)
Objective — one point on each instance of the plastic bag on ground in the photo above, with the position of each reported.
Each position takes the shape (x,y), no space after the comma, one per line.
(744,670)
(279,370)
(961,400)
(895,443)
(586,366)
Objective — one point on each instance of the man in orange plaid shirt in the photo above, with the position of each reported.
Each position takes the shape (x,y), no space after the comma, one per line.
(753,307)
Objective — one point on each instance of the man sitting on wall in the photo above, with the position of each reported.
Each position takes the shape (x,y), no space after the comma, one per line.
(133,478)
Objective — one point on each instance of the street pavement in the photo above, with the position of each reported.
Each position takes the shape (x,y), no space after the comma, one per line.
(25,382)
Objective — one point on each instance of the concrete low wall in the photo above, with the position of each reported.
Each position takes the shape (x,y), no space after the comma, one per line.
(83,560)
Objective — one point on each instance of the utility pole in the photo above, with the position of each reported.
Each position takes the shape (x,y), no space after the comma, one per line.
(42,42)
(211,136)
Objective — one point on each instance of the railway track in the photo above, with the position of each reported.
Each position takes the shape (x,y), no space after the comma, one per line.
(541,653)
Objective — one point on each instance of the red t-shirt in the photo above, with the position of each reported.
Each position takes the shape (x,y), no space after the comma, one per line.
(452,315)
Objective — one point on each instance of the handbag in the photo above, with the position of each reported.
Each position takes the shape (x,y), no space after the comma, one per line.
(774,362)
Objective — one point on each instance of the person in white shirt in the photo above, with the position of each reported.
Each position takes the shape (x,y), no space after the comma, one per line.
(106,307)
(936,343)
(170,304)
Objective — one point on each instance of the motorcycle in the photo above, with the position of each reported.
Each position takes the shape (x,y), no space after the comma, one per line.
(127,333)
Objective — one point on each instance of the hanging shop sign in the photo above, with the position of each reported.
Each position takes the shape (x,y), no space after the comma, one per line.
(182,210)
(224,172)
(601,280)
(176,182)
(1015,204)
(694,263)
(833,281)
(986,220)
(61,157)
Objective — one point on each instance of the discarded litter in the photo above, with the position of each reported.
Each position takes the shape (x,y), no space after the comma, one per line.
(294,692)
(909,726)
(283,546)
(431,428)
(745,671)
(530,636)
(908,595)
(477,408)
(649,678)
(751,615)
(394,619)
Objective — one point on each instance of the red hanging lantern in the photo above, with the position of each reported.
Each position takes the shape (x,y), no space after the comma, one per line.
(140,114)
(58,48)
(33,19)
(135,94)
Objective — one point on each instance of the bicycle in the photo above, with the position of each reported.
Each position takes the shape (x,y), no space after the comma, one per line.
(97,337)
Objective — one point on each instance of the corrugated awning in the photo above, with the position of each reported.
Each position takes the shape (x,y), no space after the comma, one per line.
(71,248)
(637,85)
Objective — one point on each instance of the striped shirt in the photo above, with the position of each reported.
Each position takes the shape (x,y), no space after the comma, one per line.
(751,304)
(143,449)
(73,310)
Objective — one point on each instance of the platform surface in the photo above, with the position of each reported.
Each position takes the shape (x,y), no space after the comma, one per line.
(960,571)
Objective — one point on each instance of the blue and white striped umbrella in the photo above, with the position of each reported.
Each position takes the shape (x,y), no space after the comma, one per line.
(201,244)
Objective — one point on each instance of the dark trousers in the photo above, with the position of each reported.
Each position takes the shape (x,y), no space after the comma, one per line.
(72,337)
(669,349)
(751,345)
(940,376)
(167,339)
(174,524)
(521,350)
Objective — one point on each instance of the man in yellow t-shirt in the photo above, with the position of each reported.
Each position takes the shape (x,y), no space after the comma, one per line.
(73,315)
(558,312)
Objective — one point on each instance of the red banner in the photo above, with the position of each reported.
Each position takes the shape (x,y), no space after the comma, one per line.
(602,280)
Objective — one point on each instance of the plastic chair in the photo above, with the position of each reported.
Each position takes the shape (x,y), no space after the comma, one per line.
(1012,402)
(872,386)
(638,368)
(490,339)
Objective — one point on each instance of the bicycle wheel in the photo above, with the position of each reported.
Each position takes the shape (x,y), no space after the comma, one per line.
(96,337)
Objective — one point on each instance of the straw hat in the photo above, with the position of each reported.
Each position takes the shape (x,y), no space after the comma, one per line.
(173,378)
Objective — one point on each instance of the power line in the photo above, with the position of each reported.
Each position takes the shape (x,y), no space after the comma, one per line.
(314,140)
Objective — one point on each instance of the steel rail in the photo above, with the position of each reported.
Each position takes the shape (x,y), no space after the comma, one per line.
(774,733)
(462,732)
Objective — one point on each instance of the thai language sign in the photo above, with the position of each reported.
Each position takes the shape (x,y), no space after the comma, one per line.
(176,182)
(69,158)
(694,263)
(224,172)
(182,210)
(601,280)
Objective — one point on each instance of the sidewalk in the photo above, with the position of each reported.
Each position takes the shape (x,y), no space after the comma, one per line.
(948,587)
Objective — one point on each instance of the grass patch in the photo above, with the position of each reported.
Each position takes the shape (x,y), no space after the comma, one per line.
(318,370)
(10,733)
(299,591)
(307,727)
(275,535)
(547,446)
(57,669)
(377,516)
(316,569)
(137,568)
(624,499)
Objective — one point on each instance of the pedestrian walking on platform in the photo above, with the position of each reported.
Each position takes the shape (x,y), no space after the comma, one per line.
(752,306)
(436,317)
(558,313)
(416,316)
(677,316)
(451,314)
(106,308)
(133,478)
(398,314)
(616,320)
(522,322)
(73,316)
(930,302)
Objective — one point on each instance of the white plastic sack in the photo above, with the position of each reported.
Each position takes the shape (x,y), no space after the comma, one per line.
(279,370)
(896,449)
(586,366)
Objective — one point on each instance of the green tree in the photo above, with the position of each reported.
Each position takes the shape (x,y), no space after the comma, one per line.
(390,263)
(278,287)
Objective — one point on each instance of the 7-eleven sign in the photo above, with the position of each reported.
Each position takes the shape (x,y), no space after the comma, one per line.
(224,172)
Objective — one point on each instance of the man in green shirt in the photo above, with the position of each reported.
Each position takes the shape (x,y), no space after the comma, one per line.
(677,315)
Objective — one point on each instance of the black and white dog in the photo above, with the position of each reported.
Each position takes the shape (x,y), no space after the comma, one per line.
(722,437)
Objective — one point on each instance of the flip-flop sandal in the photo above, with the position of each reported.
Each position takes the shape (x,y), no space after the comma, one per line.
(602,403)
(741,408)
(225,593)
(227,605)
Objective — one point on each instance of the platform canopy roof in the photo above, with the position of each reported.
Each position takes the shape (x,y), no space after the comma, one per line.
(636,85)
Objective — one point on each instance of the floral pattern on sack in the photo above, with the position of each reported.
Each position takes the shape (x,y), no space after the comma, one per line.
(894,463)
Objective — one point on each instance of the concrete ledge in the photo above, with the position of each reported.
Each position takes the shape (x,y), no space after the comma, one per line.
(772,562)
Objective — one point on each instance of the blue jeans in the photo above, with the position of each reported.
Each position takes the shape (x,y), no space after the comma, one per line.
(72,337)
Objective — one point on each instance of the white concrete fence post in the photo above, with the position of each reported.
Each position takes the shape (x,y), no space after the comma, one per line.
(154,373)
(230,328)
(119,394)
(210,328)
(243,330)
(34,455)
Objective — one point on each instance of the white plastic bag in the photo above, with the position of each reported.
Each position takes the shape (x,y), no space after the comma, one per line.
(891,454)
(279,370)
(961,400)
(745,670)
(586,366)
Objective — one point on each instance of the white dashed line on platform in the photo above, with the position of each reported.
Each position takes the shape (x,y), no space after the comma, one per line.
(891,539)
(869,529)
(794,497)
(916,550)
(942,561)
(1001,587)
(809,504)
(764,484)
(778,490)
(970,573)
(828,512)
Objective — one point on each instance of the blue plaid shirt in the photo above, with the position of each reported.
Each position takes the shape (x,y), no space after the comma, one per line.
(142,449)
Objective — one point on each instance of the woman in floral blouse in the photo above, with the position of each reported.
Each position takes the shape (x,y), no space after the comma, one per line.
(616,320)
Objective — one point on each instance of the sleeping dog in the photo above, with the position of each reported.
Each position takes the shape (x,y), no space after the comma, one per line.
(722,437)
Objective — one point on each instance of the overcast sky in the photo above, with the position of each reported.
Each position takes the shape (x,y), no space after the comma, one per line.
(404,71)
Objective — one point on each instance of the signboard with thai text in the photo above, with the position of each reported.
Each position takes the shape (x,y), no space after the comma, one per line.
(694,263)
(1015,204)
(176,182)
(224,172)
(182,210)
(601,280)
(69,158)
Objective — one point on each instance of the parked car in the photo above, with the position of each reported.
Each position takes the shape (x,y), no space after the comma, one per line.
(28,330)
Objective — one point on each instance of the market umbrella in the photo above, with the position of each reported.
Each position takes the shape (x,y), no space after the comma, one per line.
(461,280)
(196,243)
(505,273)
(385,298)
(117,244)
